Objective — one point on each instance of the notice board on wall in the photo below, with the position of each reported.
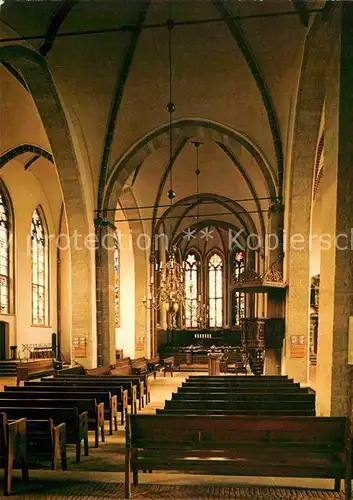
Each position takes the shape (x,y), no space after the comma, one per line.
(297,346)
(79,346)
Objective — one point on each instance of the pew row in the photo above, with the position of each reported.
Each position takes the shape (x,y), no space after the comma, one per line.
(109,401)
(34,369)
(94,410)
(94,389)
(307,447)
(139,383)
(131,386)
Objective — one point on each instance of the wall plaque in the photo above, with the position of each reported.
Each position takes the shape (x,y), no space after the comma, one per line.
(297,345)
(79,347)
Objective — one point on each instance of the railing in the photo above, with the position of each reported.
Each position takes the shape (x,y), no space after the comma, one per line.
(36,351)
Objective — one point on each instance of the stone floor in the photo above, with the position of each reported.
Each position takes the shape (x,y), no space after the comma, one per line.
(100,476)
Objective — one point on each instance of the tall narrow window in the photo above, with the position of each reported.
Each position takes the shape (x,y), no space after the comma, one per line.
(39,270)
(4,255)
(215,290)
(238,297)
(116,280)
(191,291)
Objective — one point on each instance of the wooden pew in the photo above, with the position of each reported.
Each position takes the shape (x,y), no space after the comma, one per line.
(101,370)
(154,365)
(122,367)
(94,389)
(245,396)
(95,411)
(110,402)
(46,441)
(139,366)
(312,447)
(244,407)
(76,423)
(235,386)
(141,383)
(169,365)
(127,385)
(13,447)
(142,386)
(34,369)
(245,378)
(74,370)
(295,389)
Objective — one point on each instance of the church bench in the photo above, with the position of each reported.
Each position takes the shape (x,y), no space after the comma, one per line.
(76,423)
(154,365)
(46,441)
(94,388)
(271,385)
(244,396)
(141,382)
(13,448)
(110,402)
(122,367)
(190,388)
(240,381)
(294,407)
(126,384)
(100,370)
(277,378)
(169,365)
(308,447)
(74,370)
(265,412)
(95,411)
(34,369)
(140,367)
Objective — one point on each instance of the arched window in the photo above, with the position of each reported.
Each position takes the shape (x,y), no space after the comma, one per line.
(238,297)
(4,255)
(191,290)
(215,290)
(116,280)
(39,270)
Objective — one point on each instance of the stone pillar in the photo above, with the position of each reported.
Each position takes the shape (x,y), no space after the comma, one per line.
(106,343)
(275,299)
(153,312)
(336,275)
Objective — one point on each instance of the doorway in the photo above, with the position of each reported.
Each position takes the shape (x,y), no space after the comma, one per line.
(3,340)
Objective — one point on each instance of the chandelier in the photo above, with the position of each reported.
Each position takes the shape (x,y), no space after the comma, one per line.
(170,289)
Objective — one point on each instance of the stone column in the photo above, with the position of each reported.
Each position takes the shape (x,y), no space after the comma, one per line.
(106,342)
(275,298)
(336,275)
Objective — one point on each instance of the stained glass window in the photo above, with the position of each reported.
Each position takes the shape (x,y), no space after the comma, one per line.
(191,291)
(116,280)
(4,256)
(238,297)
(215,290)
(39,270)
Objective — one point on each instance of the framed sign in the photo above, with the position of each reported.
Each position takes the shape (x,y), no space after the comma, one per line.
(140,343)
(79,347)
(297,346)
